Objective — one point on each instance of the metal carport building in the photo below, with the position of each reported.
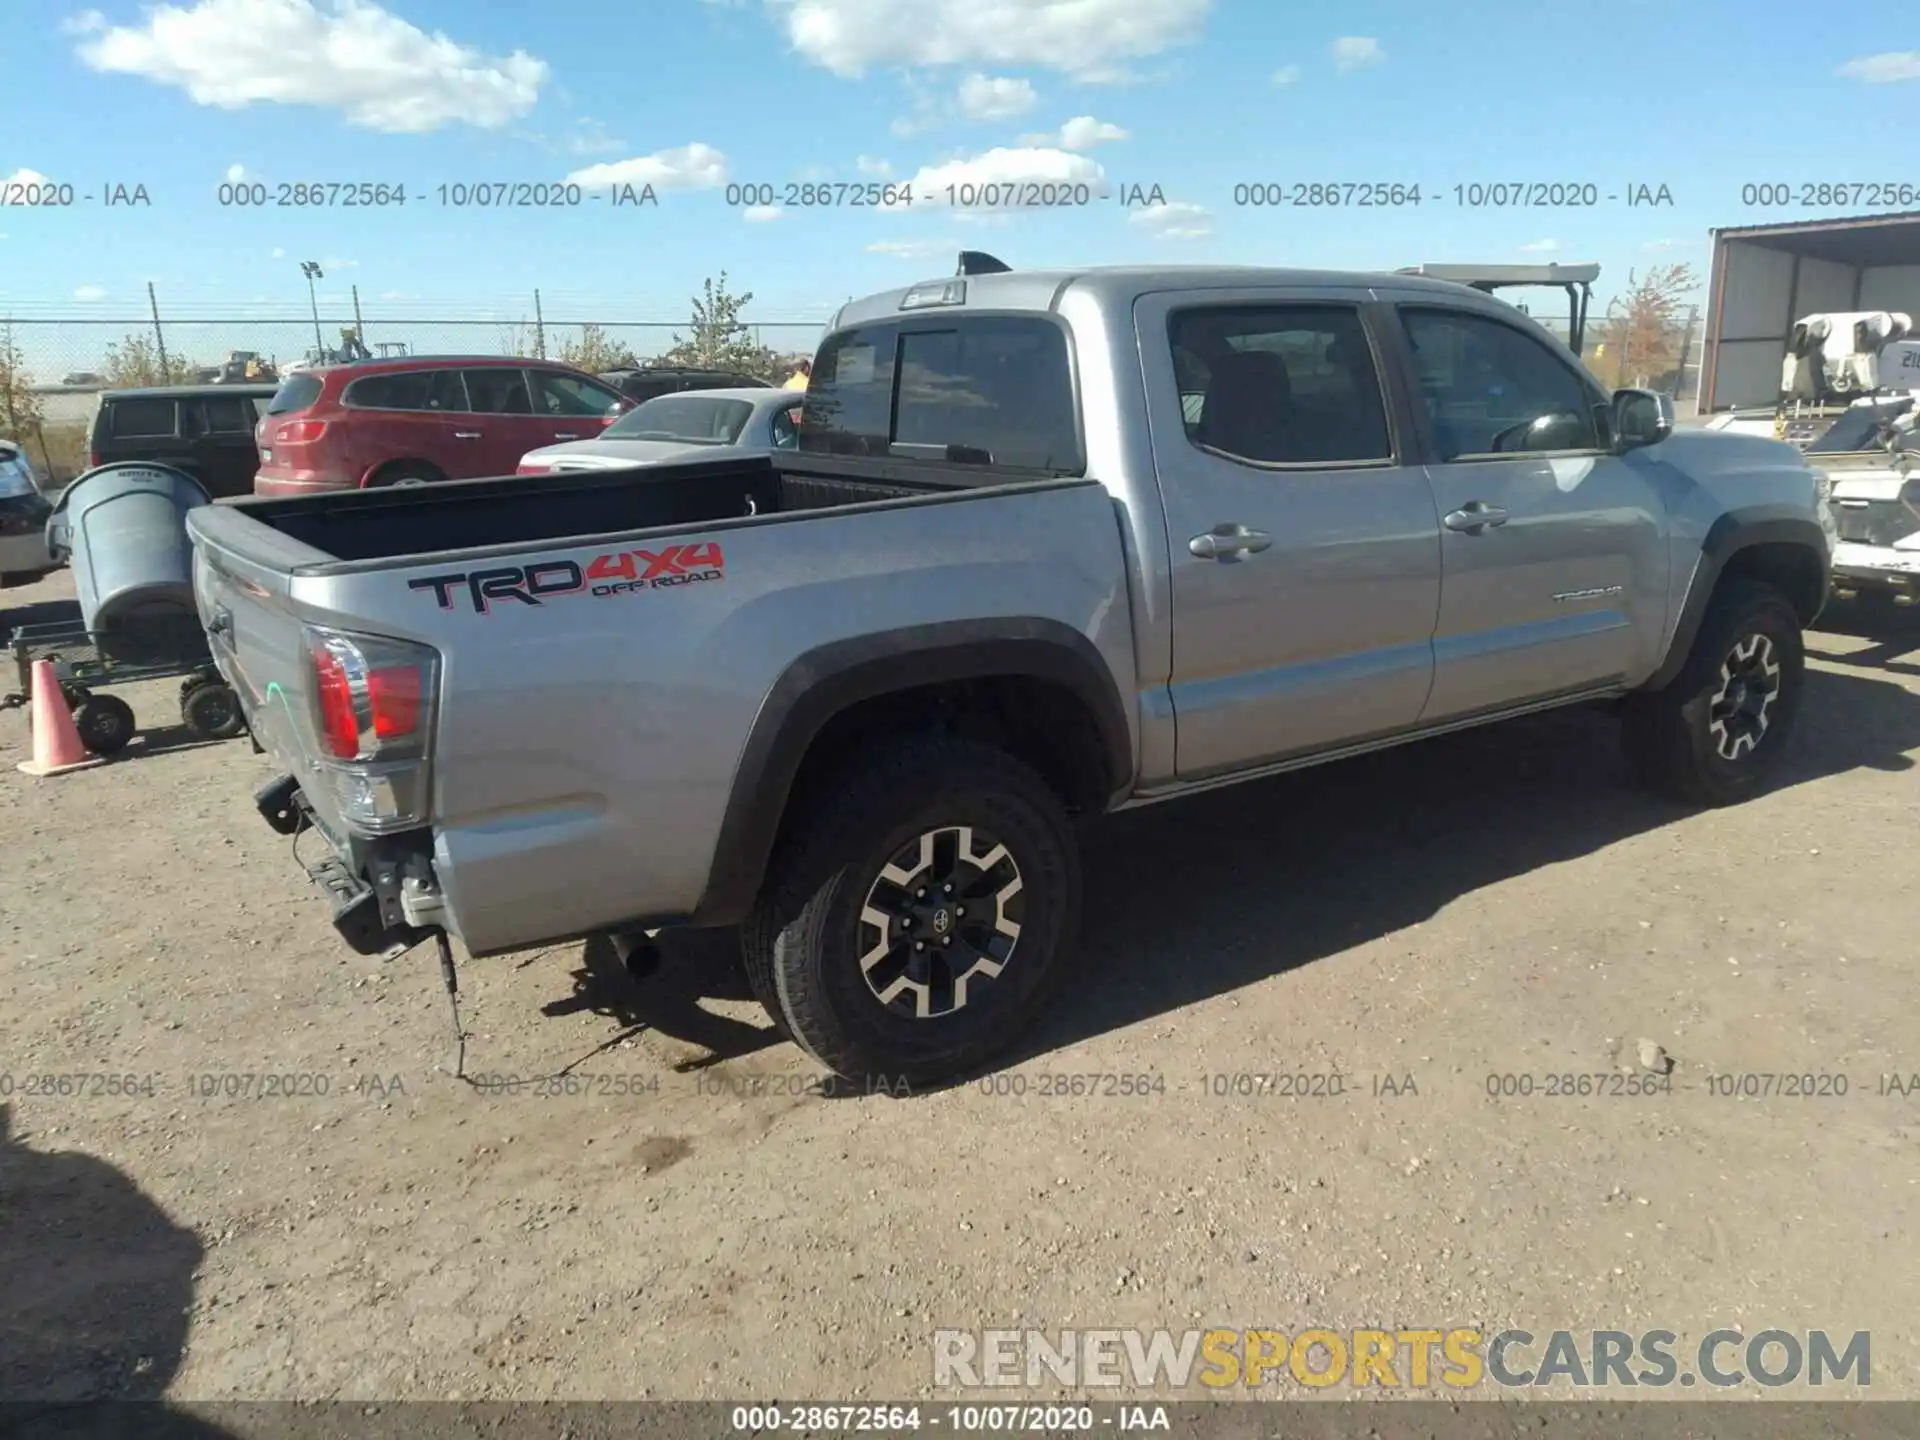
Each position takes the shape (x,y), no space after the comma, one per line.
(1764,277)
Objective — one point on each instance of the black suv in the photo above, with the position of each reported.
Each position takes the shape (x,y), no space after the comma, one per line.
(644,384)
(205,430)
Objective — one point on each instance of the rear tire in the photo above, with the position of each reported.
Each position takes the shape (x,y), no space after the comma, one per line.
(407,472)
(922,915)
(1711,736)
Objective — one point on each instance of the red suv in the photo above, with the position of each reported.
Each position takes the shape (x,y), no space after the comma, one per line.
(381,422)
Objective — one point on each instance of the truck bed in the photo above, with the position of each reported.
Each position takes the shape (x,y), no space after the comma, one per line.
(517,510)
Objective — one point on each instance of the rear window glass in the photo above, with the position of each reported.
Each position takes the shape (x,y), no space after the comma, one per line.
(133,419)
(690,416)
(297,393)
(228,415)
(990,391)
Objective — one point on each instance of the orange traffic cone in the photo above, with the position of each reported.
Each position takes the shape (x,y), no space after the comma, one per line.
(56,739)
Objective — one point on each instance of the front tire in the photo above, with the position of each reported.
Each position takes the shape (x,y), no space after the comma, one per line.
(921,917)
(1711,736)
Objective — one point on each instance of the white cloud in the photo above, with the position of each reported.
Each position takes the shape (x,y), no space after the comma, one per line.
(237,173)
(690,167)
(277,254)
(590,137)
(1656,247)
(873,165)
(1541,247)
(1011,170)
(1884,69)
(26,177)
(1078,37)
(334,262)
(353,55)
(90,292)
(397,295)
(1286,75)
(1174,220)
(1356,52)
(996,97)
(761,214)
(913,249)
(1082,132)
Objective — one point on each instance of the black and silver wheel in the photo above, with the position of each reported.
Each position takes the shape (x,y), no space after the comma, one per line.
(917,920)
(212,711)
(1710,736)
(105,723)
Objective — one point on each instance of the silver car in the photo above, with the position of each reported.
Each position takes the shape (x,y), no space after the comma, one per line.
(679,427)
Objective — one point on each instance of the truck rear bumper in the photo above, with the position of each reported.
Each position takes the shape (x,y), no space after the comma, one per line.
(381,894)
(1855,564)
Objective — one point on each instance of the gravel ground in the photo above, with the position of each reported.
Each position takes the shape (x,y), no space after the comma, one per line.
(681,1217)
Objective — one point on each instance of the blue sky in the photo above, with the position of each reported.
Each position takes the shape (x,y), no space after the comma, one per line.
(1189,96)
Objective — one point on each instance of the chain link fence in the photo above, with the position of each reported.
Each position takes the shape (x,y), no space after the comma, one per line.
(52,370)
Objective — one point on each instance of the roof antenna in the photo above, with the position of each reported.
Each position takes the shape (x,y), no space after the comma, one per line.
(978,262)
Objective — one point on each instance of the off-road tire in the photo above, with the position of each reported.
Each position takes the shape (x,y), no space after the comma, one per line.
(1670,735)
(827,873)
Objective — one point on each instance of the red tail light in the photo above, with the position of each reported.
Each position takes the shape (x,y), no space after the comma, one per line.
(370,696)
(526,469)
(300,432)
(93,459)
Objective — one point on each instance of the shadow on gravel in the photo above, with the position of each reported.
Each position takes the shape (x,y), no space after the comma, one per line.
(36,612)
(97,1298)
(1893,630)
(1202,896)
(694,965)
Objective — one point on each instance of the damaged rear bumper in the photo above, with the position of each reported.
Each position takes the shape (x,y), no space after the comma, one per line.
(382,891)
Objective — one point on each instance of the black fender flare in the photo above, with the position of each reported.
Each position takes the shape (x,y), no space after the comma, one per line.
(826,681)
(1733,532)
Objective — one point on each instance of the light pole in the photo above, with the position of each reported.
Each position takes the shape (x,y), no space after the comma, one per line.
(312,271)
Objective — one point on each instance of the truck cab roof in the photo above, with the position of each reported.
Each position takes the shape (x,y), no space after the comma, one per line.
(1121,284)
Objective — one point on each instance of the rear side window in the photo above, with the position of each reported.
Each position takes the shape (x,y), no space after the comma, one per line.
(1280,384)
(408,390)
(297,393)
(558,394)
(227,416)
(501,391)
(989,391)
(141,419)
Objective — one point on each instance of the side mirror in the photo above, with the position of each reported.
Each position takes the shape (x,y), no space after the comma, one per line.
(1640,418)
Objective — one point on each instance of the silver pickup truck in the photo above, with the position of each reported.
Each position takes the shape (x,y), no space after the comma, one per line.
(1053,544)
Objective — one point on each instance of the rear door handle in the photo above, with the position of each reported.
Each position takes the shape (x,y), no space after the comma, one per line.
(466,434)
(566,435)
(1224,542)
(1474,517)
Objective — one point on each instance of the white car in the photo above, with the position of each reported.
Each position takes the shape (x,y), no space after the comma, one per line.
(23,519)
(678,427)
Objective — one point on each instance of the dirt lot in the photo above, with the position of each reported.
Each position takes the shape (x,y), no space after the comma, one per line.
(1498,904)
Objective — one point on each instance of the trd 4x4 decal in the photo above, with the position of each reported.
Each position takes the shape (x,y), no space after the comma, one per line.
(622,572)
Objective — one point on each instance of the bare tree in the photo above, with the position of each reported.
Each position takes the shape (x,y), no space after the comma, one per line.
(1646,326)
(596,351)
(720,339)
(136,360)
(20,412)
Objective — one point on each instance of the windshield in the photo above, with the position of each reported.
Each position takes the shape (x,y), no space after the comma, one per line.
(696,419)
(16,475)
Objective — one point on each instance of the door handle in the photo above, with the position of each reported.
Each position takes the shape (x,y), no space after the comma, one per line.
(1224,542)
(566,434)
(1474,517)
(466,434)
